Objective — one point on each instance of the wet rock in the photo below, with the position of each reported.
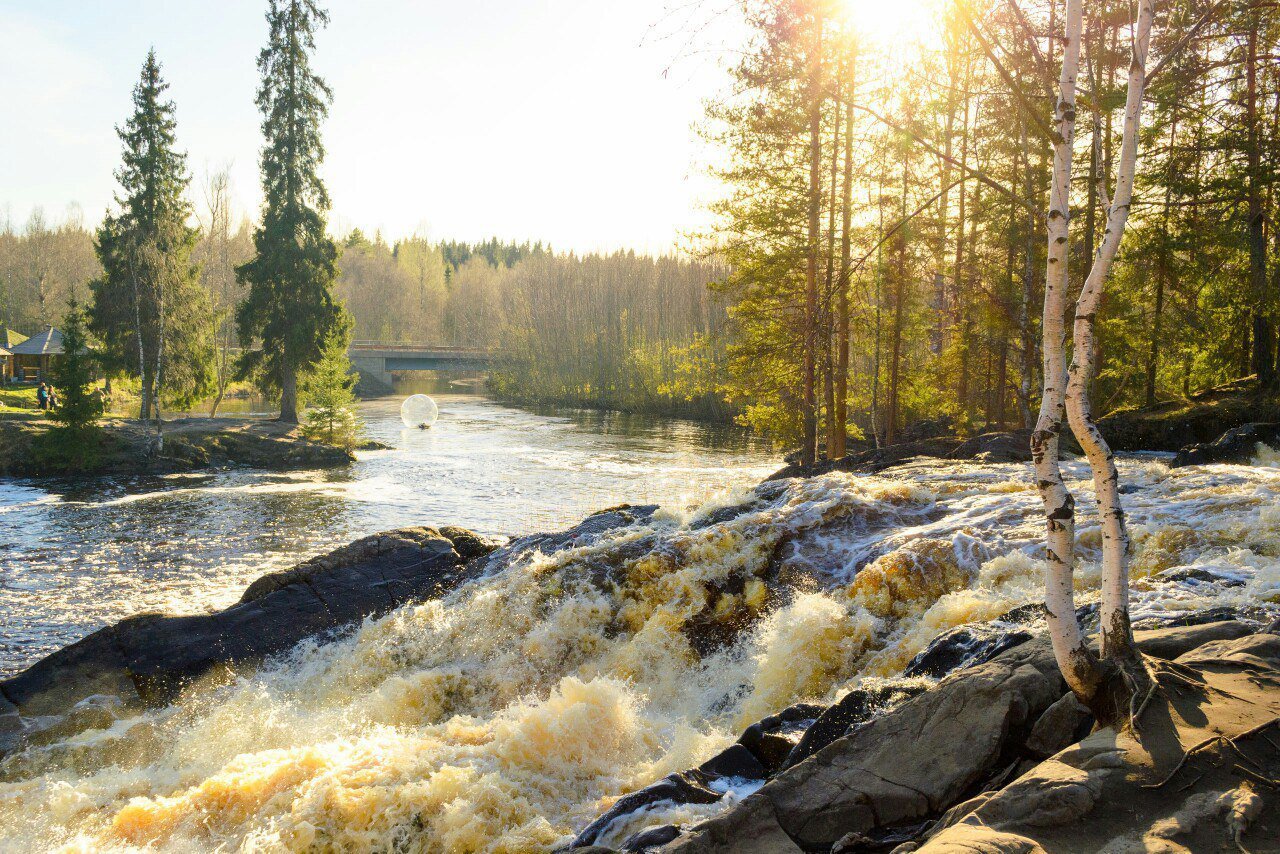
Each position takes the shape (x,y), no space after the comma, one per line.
(1196,575)
(965,646)
(468,544)
(771,739)
(684,788)
(1013,446)
(586,532)
(1237,445)
(900,767)
(854,708)
(761,497)
(148,659)
(1220,614)
(651,838)
(734,761)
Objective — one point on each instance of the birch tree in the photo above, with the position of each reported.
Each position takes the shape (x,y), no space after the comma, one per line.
(1077,662)
(1117,636)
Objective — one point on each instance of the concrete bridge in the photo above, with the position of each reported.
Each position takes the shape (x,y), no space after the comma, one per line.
(376,360)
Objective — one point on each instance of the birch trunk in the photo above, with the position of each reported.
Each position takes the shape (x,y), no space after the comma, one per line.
(1076,662)
(1117,636)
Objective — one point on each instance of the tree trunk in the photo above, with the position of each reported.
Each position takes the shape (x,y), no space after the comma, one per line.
(289,394)
(1076,662)
(840,418)
(828,356)
(808,412)
(1117,636)
(1263,363)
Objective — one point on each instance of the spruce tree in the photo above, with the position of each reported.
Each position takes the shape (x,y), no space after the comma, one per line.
(148,307)
(290,308)
(329,389)
(79,407)
(73,445)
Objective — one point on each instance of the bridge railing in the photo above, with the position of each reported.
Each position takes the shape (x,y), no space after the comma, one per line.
(432,348)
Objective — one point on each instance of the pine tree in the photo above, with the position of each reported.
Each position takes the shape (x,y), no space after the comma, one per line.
(148,307)
(79,407)
(290,307)
(329,389)
(73,445)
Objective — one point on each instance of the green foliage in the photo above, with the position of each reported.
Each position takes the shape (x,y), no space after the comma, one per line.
(75,443)
(329,392)
(290,307)
(149,310)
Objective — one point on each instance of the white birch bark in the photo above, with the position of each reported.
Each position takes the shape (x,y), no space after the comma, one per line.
(1117,637)
(1077,664)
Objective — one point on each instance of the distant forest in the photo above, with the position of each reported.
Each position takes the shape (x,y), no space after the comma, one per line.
(620,331)
(878,252)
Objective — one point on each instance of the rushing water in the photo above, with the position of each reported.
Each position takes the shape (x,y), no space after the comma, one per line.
(508,714)
(74,557)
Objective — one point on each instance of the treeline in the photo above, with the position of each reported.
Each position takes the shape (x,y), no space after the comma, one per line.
(43,264)
(887,201)
(618,331)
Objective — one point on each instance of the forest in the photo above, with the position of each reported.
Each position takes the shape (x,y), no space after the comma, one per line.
(876,256)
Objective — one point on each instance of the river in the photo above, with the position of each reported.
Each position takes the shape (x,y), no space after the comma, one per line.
(77,556)
(508,714)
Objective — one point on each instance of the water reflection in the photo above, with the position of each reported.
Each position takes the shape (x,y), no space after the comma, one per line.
(78,555)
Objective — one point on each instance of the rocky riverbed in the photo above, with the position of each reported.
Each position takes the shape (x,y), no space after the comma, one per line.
(842,663)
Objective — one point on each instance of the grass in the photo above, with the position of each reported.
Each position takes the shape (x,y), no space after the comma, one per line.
(18,402)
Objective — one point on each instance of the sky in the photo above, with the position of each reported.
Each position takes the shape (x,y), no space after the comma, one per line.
(566,121)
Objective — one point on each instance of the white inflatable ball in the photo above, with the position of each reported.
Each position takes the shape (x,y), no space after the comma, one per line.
(418,410)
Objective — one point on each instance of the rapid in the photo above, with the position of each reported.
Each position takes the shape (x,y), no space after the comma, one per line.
(507,715)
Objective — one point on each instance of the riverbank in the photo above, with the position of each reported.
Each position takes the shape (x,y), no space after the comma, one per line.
(190,444)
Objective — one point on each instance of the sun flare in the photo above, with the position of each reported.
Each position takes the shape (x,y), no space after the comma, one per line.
(889,22)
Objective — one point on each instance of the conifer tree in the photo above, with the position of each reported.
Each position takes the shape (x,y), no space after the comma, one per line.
(329,389)
(78,406)
(148,307)
(72,446)
(290,308)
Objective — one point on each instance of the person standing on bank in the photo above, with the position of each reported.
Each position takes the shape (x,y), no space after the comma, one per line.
(42,396)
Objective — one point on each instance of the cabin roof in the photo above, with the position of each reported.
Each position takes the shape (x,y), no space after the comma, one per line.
(10,339)
(46,342)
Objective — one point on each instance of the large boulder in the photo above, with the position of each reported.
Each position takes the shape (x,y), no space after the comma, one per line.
(1238,445)
(1197,774)
(976,730)
(901,767)
(149,658)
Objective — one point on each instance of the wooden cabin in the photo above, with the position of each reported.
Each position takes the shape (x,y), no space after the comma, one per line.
(8,340)
(32,358)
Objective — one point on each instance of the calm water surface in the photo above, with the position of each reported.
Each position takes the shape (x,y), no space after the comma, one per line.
(76,556)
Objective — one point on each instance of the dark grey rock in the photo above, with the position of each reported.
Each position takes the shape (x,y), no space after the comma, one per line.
(854,708)
(1237,445)
(965,646)
(147,659)
(771,739)
(651,838)
(686,788)
(734,761)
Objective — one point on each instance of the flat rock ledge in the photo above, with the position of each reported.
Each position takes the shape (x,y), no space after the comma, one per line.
(147,660)
(992,760)
(190,444)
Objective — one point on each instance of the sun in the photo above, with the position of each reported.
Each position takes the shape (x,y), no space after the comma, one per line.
(889,22)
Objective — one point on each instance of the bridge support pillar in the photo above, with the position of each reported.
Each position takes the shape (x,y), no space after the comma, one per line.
(373,371)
